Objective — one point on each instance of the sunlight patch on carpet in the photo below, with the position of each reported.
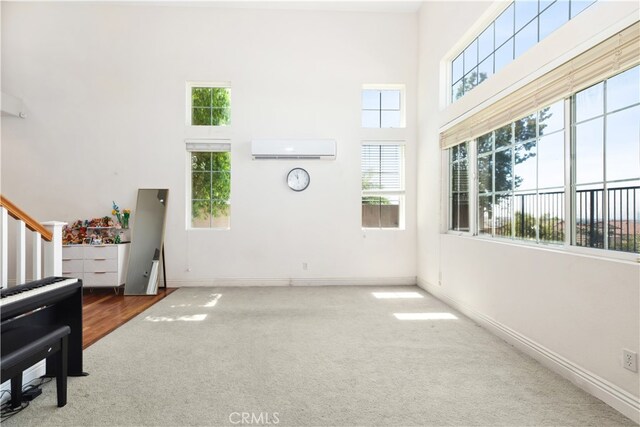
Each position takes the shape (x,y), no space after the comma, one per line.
(191,318)
(425,316)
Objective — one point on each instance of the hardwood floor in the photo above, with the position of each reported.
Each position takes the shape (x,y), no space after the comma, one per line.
(103,311)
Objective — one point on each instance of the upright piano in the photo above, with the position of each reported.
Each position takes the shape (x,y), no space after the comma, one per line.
(54,301)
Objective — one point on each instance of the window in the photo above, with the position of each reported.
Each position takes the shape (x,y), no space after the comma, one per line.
(522,185)
(382,185)
(606,129)
(210,184)
(459,187)
(383,107)
(518,28)
(521,178)
(209,104)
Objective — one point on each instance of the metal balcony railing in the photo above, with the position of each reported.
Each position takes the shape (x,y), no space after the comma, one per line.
(541,217)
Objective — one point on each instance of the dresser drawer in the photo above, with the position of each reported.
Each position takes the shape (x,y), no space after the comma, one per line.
(72,252)
(100,265)
(73,274)
(100,279)
(72,266)
(100,252)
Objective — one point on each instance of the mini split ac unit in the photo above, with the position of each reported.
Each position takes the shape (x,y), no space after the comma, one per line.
(322,149)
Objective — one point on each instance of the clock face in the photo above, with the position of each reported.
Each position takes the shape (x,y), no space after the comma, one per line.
(298,179)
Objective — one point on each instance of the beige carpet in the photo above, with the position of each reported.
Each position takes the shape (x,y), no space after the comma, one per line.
(321,356)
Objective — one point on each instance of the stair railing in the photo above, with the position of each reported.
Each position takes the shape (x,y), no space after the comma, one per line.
(47,235)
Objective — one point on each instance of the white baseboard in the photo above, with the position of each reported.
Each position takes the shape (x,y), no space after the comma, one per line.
(612,395)
(29,374)
(325,281)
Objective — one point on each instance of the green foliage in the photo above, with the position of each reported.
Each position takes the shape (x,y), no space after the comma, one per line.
(211,106)
(472,80)
(367,184)
(210,184)
(550,229)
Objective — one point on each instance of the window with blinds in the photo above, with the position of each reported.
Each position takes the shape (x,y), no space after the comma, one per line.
(459,187)
(526,188)
(382,185)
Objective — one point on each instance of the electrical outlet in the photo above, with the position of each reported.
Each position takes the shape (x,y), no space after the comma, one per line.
(630,360)
(305,266)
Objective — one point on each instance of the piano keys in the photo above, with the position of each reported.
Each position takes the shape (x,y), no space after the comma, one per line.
(54,301)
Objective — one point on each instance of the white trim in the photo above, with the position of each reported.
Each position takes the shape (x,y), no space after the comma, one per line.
(612,395)
(36,272)
(298,281)
(21,252)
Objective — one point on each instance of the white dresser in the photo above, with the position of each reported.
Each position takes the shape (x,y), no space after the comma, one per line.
(96,265)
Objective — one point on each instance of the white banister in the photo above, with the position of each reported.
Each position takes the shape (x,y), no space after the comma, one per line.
(4,247)
(21,253)
(53,249)
(37,256)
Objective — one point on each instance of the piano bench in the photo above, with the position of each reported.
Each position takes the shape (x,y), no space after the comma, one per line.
(23,347)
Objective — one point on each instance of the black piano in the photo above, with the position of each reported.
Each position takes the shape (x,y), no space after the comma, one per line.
(50,302)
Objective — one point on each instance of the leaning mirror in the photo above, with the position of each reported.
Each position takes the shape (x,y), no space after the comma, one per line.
(147,240)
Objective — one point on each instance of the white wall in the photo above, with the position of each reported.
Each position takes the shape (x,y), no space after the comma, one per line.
(575,313)
(104,89)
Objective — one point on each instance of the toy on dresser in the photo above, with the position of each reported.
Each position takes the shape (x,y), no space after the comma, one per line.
(95,231)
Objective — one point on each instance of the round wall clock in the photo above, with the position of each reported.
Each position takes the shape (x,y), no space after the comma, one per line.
(298,179)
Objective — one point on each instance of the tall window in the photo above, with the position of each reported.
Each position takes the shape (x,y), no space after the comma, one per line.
(382,107)
(522,25)
(382,186)
(210,180)
(210,105)
(521,178)
(522,183)
(606,126)
(459,187)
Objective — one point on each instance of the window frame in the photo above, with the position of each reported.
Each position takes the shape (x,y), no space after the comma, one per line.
(567,244)
(403,103)
(470,183)
(606,182)
(199,146)
(189,112)
(481,27)
(401,194)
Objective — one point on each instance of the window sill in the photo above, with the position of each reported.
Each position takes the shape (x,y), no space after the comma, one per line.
(383,229)
(209,229)
(601,254)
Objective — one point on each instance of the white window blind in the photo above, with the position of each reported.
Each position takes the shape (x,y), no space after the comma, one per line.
(382,168)
(210,145)
(382,185)
(604,60)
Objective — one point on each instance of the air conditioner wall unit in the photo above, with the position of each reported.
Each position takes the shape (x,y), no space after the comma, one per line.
(283,149)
